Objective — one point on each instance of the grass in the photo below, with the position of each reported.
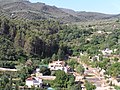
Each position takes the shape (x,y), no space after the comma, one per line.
(117,87)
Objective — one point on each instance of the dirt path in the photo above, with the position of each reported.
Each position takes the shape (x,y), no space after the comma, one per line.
(7,69)
(93,75)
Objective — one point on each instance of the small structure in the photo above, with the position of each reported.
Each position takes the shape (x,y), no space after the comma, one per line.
(50,88)
(43,66)
(34,81)
(115,81)
(100,32)
(102,72)
(95,58)
(58,65)
(107,51)
(38,74)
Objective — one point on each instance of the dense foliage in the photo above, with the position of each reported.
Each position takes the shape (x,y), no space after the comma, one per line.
(63,80)
(113,70)
(89,86)
(24,39)
(45,40)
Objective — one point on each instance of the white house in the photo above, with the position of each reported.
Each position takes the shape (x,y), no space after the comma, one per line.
(100,32)
(114,81)
(107,51)
(102,72)
(38,74)
(95,58)
(34,81)
(58,65)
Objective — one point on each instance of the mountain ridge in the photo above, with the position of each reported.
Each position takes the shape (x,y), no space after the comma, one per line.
(26,9)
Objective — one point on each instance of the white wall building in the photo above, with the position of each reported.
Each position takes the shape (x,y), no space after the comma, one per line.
(107,51)
(58,65)
(114,81)
(34,81)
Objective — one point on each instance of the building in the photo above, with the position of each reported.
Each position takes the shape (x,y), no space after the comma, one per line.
(107,51)
(95,58)
(115,81)
(34,81)
(102,72)
(38,74)
(58,65)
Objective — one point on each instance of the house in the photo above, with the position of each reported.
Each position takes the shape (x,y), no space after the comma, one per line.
(38,74)
(106,51)
(34,81)
(50,88)
(95,58)
(114,81)
(102,72)
(100,32)
(58,65)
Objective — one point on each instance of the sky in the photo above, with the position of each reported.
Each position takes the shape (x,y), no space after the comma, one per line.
(102,6)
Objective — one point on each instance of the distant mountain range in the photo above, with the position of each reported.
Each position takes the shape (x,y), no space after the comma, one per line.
(36,11)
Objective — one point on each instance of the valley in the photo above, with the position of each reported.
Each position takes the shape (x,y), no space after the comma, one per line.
(44,47)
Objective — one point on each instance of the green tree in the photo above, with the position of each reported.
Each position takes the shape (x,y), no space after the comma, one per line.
(16,86)
(10,82)
(71,80)
(61,54)
(4,80)
(63,80)
(114,69)
(72,63)
(116,59)
(80,69)
(8,87)
(54,57)
(117,87)
(76,87)
(23,73)
(89,86)
(45,71)
(5,26)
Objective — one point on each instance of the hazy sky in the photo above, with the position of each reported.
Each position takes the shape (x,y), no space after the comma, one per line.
(103,6)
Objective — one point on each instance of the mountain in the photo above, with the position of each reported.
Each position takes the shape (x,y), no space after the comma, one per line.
(28,10)
(85,16)
(35,11)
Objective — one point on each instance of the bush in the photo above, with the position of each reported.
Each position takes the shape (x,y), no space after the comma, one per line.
(89,86)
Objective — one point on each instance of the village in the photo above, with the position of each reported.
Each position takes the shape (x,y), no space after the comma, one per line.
(59,45)
(94,75)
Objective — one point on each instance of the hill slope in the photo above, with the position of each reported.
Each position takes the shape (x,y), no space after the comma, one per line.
(35,11)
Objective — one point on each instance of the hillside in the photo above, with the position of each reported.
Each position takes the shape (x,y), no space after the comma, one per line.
(28,10)
(32,35)
(86,16)
(34,11)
